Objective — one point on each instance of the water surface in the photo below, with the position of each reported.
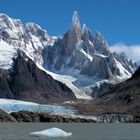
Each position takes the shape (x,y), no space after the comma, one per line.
(80,131)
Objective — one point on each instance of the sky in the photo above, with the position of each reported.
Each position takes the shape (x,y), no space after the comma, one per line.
(117,20)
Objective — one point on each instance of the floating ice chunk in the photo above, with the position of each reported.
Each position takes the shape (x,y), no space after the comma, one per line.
(52,132)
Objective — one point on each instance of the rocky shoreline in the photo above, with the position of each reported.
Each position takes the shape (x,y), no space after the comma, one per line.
(27,116)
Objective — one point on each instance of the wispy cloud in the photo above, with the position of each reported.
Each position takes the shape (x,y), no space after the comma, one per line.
(131,51)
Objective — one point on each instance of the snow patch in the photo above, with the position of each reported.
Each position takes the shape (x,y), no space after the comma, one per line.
(79,48)
(124,73)
(101,55)
(68,80)
(7,53)
(78,83)
(87,55)
(36,44)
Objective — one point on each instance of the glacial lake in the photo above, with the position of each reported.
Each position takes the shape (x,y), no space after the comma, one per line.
(80,131)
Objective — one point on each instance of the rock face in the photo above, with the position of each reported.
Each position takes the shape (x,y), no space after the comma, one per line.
(5,91)
(27,82)
(136,75)
(98,90)
(4,117)
(26,116)
(80,50)
(124,97)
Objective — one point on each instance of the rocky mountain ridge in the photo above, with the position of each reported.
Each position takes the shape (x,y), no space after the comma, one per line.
(78,59)
(80,50)
(25,81)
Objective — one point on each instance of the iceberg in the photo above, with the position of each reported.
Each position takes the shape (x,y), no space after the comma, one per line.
(52,132)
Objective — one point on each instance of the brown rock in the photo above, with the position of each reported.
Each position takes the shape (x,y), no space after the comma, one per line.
(5,117)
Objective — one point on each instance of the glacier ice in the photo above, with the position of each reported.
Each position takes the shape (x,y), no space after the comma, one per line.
(9,106)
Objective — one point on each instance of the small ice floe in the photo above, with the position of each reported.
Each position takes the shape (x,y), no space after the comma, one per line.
(52,132)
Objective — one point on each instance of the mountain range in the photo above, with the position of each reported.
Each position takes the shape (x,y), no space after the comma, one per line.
(37,67)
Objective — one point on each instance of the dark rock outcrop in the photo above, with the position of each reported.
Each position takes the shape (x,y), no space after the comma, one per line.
(136,75)
(5,117)
(100,89)
(5,91)
(98,67)
(26,116)
(123,97)
(27,82)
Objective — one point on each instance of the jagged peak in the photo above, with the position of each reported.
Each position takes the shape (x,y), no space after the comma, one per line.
(85,33)
(84,29)
(100,37)
(32,25)
(6,21)
(3,15)
(123,55)
(99,34)
(75,20)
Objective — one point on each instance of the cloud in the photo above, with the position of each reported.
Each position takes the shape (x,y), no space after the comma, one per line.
(131,51)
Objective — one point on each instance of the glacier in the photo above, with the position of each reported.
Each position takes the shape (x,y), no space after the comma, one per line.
(10,105)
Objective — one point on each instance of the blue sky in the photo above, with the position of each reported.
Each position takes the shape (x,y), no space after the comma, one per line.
(118,20)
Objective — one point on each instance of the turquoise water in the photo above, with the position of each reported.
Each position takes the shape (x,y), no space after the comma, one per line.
(80,131)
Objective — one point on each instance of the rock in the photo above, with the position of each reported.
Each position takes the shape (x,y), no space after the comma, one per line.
(98,67)
(98,90)
(136,75)
(5,91)
(27,116)
(5,117)
(27,82)
(80,51)
(101,45)
(123,97)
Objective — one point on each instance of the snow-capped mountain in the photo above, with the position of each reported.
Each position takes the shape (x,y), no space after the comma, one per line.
(30,37)
(78,59)
(86,58)
(21,76)
(89,55)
